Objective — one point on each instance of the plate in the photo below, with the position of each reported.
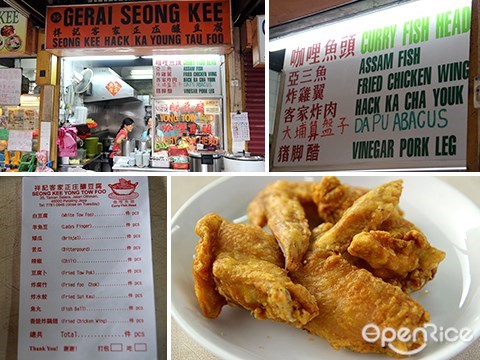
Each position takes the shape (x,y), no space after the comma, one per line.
(447,217)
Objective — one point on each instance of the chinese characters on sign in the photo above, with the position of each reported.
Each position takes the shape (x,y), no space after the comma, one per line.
(86,270)
(387,89)
(139,24)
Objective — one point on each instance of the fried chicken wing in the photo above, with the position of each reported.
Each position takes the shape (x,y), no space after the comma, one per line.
(287,221)
(408,262)
(263,288)
(301,191)
(238,263)
(349,298)
(367,213)
(333,198)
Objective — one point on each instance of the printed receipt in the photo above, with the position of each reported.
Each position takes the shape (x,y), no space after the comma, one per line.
(86,269)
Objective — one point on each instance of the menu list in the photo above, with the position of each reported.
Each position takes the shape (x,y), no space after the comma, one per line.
(86,269)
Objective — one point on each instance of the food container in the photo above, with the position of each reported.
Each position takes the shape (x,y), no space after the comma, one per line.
(91,146)
(128,146)
(206,161)
(160,162)
(145,158)
(243,163)
(139,159)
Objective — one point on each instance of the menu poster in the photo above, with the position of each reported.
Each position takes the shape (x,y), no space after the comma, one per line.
(386,89)
(240,126)
(187,75)
(10,86)
(86,269)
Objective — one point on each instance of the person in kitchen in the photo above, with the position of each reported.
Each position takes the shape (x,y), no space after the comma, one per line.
(122,134)
(147,134)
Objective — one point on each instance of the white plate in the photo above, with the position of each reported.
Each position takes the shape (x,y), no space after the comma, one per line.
(449,219)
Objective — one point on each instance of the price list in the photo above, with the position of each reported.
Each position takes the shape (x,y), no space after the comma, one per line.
(86,269)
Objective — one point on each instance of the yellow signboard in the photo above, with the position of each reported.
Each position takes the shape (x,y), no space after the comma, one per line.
(14,29)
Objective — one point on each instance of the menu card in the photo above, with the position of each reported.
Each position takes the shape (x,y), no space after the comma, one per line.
(86,283)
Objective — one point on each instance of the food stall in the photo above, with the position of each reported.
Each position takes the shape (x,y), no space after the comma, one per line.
(167,43)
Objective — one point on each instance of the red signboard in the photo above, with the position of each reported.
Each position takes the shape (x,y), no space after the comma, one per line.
(139,24)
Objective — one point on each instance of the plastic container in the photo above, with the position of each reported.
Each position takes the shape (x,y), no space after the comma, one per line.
(80,115)
(91,146)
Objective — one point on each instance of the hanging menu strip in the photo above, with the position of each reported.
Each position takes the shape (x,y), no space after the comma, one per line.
(86,269)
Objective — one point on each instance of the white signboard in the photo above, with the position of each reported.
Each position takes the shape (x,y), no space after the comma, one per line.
(20,140)
(86,270)
(240,126)
(10,86)
(387,89)
(191,76)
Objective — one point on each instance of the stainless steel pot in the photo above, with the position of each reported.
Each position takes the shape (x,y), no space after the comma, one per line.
(107,143)
(128,146)
(243,163)
(205,161)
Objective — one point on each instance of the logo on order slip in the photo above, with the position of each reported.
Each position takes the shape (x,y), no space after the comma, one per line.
(123,190)
(113,87)
(430,332)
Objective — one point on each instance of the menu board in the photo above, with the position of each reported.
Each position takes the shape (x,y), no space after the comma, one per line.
(388,89)
(86,269)
(10,86)
(187,75)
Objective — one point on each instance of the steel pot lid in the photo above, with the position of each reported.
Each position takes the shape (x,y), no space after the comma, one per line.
(198,155)
(242,157)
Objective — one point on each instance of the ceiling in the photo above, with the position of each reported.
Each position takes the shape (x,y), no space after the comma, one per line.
(241,9)
(284,11)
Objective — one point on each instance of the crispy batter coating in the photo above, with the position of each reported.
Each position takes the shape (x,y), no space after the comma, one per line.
(367,213)
(349,298)
(265,289)
(239,263)
(408,262)
(287,221)
(302,191)
(333,198)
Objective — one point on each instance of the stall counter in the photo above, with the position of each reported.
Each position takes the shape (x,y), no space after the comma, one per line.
(121,164)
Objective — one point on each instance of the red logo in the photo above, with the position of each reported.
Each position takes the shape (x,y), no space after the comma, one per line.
(123,190)
(113,87)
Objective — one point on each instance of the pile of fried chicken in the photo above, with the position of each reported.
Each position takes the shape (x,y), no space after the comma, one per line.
(336,258)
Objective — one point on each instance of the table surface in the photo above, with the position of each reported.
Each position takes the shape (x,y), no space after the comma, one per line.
(183,347)
(11,216)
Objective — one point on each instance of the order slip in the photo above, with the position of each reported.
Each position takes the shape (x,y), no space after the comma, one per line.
(86,269)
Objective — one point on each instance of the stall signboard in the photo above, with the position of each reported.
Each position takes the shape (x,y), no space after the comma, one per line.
(14,29)
(186,76)
(187,118)
(10,86)
(139,24)
(383,90)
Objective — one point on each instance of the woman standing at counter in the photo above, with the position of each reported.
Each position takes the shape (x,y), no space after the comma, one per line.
(147,134)
(122,134)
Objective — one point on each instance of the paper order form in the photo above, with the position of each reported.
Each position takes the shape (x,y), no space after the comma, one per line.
(86,282)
